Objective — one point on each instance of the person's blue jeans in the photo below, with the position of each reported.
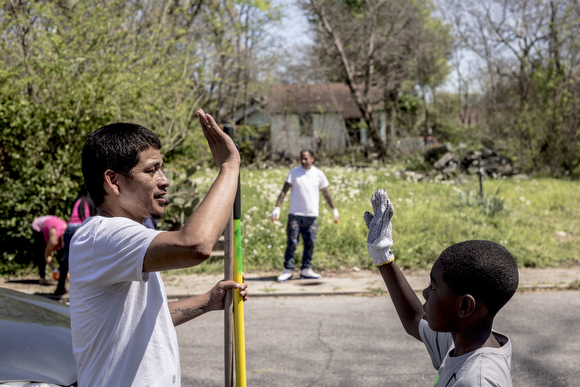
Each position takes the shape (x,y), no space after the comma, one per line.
(68,234)
(307,226)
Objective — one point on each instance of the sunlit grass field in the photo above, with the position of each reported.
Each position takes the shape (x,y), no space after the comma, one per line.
(537,219)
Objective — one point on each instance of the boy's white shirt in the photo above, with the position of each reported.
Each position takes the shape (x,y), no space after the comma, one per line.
(482,367)
(122,330)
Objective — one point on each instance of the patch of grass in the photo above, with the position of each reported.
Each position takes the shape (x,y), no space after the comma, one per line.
(377,291)
(268,290)
(491,205)
(529,218)
(574,285)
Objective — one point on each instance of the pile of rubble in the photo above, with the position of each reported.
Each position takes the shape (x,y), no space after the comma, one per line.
(489,162)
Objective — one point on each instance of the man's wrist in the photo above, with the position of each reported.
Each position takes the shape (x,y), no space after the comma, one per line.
(207,302)
(230,165)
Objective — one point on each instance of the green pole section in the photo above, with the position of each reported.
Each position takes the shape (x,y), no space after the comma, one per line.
(238,247)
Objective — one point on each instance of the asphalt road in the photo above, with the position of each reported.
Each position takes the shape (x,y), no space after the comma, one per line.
(359,341)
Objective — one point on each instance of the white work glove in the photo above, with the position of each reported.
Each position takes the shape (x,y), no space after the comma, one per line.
(380,239)
(335,214)
(275,214)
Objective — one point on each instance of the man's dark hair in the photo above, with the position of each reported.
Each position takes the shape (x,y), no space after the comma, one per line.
(483,269)
(116,147)
(309,151)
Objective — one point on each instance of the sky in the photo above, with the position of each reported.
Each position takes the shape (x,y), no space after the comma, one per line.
(294,24)
(294,30)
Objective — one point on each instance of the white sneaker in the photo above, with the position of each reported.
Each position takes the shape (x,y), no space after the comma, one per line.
(309,274)
(286,275)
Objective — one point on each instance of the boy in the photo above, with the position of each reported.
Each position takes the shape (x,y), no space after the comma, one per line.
(470,282)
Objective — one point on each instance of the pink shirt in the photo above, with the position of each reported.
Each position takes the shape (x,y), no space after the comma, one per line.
(45,223)
(75,218)
(37,223)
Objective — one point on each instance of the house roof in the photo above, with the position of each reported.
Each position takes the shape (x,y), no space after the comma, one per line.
(239,114)
(314,98)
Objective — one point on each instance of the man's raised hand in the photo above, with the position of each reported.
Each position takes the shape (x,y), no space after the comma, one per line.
(221,145)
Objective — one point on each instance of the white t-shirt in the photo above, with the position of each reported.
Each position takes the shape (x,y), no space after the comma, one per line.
(304,196)
(121,326)
(482,367)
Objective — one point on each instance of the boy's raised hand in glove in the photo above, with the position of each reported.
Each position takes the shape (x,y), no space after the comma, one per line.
(380,239)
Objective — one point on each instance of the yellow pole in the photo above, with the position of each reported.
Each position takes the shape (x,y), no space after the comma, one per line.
(239,333)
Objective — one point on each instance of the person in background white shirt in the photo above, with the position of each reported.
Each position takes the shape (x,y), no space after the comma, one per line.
(305,182)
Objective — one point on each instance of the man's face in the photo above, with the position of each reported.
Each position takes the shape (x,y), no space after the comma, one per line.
(306,160)
(441,304)
(142,194)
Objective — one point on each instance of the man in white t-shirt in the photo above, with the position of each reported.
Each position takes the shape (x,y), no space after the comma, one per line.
(305,182)
(123,326)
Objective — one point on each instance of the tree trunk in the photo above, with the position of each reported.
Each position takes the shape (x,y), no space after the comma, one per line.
(362,103)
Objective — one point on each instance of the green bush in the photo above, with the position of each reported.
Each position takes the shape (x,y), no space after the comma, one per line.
(39,172)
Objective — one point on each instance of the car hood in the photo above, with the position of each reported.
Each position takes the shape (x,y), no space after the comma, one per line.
(35,337)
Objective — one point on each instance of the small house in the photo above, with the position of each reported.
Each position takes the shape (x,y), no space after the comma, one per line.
(313,116)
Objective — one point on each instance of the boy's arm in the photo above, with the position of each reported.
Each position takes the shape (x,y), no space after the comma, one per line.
(379,243)
(407,304)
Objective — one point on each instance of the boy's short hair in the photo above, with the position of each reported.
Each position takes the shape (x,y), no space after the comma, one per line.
(116,147)
(309,152)
(483,269)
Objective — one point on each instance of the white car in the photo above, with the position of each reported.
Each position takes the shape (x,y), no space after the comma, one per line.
(35,342)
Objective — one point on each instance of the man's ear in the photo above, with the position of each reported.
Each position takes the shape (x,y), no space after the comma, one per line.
(111,182)
(467,306)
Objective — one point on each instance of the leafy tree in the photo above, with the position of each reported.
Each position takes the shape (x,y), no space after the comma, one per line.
(70,67)
(380,47)
(531,54)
